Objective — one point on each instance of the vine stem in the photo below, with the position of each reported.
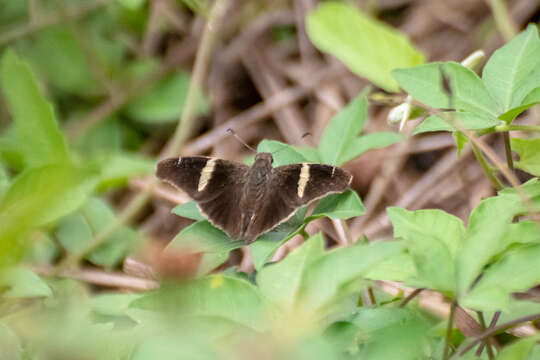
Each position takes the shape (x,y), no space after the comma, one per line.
(508,151)
(487,168)
(183,131)
(462,350)
(502,19)
(449,328)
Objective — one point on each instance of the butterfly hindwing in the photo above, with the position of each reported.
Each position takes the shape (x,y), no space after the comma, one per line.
(215,184)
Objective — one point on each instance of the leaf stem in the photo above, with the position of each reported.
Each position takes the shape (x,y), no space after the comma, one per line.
(411,296)
(449,328)
(502,19)
(508,150)
(462,350)
(487,169)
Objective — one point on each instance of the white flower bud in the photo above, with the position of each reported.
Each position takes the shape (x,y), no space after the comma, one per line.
(400,114)
(474,59)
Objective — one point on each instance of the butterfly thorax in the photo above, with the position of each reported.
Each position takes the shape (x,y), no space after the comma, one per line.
(255,186)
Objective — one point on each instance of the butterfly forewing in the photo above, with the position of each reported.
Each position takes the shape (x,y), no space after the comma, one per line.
(215,184)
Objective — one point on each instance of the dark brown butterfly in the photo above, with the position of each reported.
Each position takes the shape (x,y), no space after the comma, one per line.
(244,201)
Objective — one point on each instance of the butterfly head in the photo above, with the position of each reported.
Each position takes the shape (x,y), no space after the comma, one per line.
(264,158)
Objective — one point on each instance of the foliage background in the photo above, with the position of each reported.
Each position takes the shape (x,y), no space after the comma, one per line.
(95,92)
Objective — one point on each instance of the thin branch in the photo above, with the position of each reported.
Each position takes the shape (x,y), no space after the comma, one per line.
(502,18)
(462,350)
(449,328)
(411,296)
(508,151)
(260,111)
(487,168)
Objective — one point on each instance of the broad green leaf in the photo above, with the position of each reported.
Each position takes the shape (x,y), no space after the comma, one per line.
(104,138)
(342,131)
(529,154)
(368,142)
(266,245)
(40,196)
(283,154)
(117,168)
(22,283)
(522,232)
(11,347)
(217,295)
(432,237)
(132,4)
(324,278)
(203,237)
(399,267)
(408,331)
(468,120)
(114,304)
(517,270)
(281,282)
(57,55)
(35,124)
(469,93)
(432,123)
(4,181)
(518,350)
(310,153)
(368,47)
(77,231)
(164,102)
(340,206)
(484,236)
(512,71)
(189,210)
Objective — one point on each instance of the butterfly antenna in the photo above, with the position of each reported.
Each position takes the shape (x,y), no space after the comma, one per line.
(233,133)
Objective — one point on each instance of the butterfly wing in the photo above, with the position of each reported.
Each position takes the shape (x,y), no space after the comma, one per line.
(215,184)
(292,186)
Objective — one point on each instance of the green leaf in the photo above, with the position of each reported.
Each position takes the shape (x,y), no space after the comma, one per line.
(266,245)
(368,47)
(484,236)
(189,210)
(340,206)
(23,283)
(77,231)
(517,270)
(203,237)
(461,141)
(164,102)
(283,154)
(117,168)
(35,124)
(4,181)
(342,131)
(399,267)
(57,55)
(518,350)
(132,4)
(432,123)
(324,278)
(432,238)
(10,345)
(512,71)
(529,154)
(218,296)
(281,282)
(424,84)
(368,142)
(408,331)
(112,304)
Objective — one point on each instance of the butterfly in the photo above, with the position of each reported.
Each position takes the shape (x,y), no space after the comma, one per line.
(248,201)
